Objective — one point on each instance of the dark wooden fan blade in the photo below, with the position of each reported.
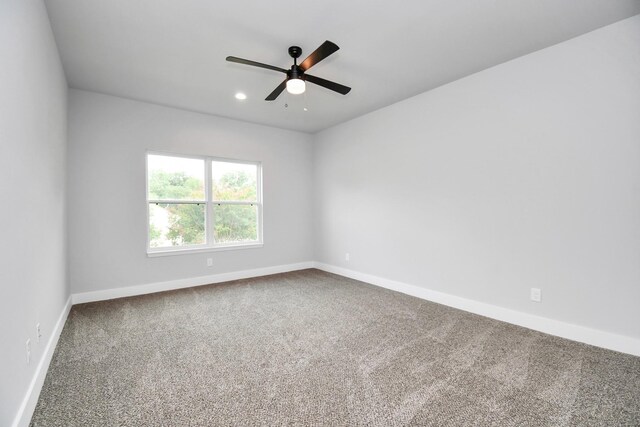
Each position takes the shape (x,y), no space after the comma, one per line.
(255,64)
(277,91)
(325,49)
(326,83)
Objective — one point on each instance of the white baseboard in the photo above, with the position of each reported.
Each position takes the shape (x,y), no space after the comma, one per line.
(558,328)
(150,288)
(25,412)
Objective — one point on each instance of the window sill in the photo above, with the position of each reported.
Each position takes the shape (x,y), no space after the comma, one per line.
(187,251)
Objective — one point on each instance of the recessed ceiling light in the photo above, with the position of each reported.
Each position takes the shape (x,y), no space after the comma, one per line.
(241,96)
(305,109)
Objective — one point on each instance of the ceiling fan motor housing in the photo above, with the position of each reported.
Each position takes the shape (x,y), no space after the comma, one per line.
(294,72)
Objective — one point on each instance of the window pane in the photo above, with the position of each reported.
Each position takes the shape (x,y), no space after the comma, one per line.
(235,223)
(173,224)
(175,178)
(234,181)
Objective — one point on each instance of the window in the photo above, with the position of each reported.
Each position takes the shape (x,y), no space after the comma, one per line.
(202,203)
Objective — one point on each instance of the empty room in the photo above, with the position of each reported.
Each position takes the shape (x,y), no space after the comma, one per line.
(423,213)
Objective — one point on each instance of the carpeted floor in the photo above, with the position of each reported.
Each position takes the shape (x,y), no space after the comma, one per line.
(312,348)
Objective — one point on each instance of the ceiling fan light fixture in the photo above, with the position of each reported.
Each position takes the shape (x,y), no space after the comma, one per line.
(295,86)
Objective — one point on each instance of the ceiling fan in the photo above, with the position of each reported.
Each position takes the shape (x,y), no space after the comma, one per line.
(297,74)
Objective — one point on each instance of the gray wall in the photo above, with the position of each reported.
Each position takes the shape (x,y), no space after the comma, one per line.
(523,175)
(108,139)
(33,286)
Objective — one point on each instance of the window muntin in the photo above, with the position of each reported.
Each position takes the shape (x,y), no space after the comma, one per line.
(188,212)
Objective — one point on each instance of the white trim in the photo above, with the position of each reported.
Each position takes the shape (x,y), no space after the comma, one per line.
(176,202)
(201,249)
(25,412)
(185,283)
(209,218)
(558,328)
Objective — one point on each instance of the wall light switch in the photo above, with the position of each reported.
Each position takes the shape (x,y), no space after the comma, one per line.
(209,262)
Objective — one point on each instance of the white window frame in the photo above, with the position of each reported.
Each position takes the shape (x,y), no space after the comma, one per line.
(210,244)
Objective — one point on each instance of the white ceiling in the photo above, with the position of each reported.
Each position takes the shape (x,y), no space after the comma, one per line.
(173,52)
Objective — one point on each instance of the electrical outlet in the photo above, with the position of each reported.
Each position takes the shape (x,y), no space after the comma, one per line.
(28,351)
(38,332)
(536,294)
(209,262)
(346,256)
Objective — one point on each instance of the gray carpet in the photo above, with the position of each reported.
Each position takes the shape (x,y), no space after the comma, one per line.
(312,348)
